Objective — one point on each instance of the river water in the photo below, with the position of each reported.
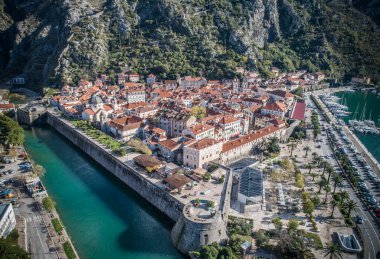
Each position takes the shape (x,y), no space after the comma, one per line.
(364,105)
(104,218)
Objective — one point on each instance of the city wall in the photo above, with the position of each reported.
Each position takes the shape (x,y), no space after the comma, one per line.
(156,196)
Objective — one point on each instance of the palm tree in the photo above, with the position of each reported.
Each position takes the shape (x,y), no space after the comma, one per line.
(333,251)
(292,146)
(315,157)
(318,160)
(351,206)
(322,183)
(333,203)
(343,196)
(324,163)
(337,179)
(306,149)
(327,189)
(330,170)
(309,166)
(313,175)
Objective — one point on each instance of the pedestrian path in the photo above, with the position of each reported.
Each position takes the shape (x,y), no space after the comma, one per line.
(33,218)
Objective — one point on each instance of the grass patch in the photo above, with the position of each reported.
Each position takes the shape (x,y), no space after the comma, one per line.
(69,250)
(316,239)
(57,225)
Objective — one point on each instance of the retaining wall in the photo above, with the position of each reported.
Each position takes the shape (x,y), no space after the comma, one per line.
(156,196)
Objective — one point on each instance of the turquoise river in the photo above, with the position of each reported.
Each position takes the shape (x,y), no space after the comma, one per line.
(104,218)
(364,105)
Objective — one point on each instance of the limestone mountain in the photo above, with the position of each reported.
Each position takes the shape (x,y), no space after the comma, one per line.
(61,41)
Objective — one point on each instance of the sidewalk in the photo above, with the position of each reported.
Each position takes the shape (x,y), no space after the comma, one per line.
(21,229)
(57,238)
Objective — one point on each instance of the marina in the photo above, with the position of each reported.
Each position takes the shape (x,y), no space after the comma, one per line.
(340,110)
(366,105)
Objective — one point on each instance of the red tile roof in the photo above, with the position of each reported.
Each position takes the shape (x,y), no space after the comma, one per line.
(200,128)
(204,143)
(298,112)
(232,144)
(7,105)
(275,106)
(169,144)
(228,119)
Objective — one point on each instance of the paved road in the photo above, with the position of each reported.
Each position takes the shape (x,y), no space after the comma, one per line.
(37,235)
(369,229)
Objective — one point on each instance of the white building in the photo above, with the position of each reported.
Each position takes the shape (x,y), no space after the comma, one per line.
(200,131)
(189,82)
(7,220)
(135,96)
(277,109)
(231,127)
(201,152)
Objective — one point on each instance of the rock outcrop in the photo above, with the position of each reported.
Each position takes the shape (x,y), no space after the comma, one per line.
(61,41)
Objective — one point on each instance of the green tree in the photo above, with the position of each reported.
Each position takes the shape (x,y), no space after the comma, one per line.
(292,225)
(9,249)
(333,203)
(327,190)
(322,183)
(350,206)
(292,246)
(273,145)
(198,112)
(333,251)
(235,242)
(207,177)
(313,175)
(262,238)
(10,132)
(337,179)
(226,253)
(309,166)
(292,146)
(48,203)
(306,149)
(277,223)
(209,252)
(308,208)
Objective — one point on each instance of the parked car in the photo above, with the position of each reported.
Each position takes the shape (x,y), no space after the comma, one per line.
(359,220)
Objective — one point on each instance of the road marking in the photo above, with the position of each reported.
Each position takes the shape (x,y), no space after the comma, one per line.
(39,237)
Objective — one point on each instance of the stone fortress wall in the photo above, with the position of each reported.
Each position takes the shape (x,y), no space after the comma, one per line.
(189,232)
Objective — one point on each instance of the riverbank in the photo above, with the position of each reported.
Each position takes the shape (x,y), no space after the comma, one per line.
(103,216)
(62,245)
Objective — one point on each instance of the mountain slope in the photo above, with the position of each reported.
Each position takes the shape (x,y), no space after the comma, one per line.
(75,39)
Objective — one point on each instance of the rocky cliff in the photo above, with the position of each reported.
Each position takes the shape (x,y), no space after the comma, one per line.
(61,41)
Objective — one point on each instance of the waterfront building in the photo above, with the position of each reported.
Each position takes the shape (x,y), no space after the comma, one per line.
(124,128)
(7,220)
